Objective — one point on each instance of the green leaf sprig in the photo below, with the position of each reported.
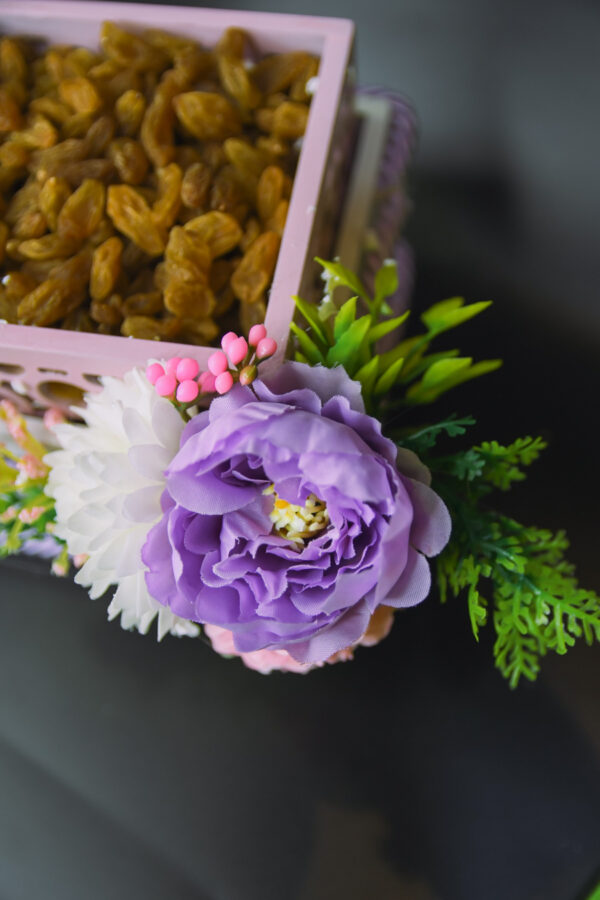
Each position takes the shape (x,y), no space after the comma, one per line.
(343,336)
(515,576)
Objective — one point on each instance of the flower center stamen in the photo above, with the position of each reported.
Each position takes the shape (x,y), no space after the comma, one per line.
(298,523)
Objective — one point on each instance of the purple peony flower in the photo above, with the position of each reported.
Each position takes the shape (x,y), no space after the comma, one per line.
(289,519)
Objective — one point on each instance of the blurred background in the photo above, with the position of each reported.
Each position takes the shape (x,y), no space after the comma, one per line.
(134,770)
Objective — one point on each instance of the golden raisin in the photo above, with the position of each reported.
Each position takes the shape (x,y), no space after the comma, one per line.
(166,207)
(82,211)
(277,72)
(11,118)
(132,216)
(106,268)
(130,50)
(289,120)
(53,195)
(187,257)
(255,271)
(196,185)
(129,160)
(217,231)
(208,116)
(129,110)
(79,93)
(269,191)
(156,132)
(189,300)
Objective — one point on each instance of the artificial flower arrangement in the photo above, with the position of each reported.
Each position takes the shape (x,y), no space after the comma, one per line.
(292,520)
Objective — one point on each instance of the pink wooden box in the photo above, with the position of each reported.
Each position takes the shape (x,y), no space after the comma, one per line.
(40,362)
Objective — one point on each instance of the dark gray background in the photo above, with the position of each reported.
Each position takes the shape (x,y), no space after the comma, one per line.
(136,770)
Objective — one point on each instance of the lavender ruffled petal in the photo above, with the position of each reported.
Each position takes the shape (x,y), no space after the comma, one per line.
(214,557)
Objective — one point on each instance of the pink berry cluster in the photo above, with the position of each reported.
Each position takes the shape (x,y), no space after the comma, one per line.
(181,379)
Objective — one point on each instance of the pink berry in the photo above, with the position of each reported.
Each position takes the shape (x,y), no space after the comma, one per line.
(256,334)
(217,362)
(171,365)
(154,372)
(266,347)
(187,369)
(165,385)
(237,350)
(207,382)
(227,339)
(224,382)
(187,391)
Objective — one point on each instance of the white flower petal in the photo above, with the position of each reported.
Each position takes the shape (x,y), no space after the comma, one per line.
(149,460)
(136,428)
(143,505)
(107,480)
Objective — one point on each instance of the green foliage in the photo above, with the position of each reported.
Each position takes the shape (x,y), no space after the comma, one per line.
(450,313)
(340,276)
(497,466)
(423,439)
(345,318)
(447,373)
(349,337)
(515,575)
(502,464)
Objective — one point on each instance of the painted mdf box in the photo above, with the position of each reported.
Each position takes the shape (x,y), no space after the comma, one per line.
(42,362)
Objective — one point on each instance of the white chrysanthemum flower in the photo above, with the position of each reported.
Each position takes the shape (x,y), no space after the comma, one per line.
(107,481)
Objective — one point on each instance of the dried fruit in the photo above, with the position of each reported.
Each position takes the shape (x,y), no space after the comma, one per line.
(132,216)
(166,207)
(269,191)
(52,197)
(187,300)
(129,110)
(56,297)
(277,72)
(82,211)
(99,136)
(106,268)
(187,258)
(32,224)
(196,185)
(79,93)
(217,231)
(10,114)
(129,160)
(129,50)
(254,273)
(289,120)
(157,125)
(51,246)
(277,221)
(148,329)
(149,304)
(236,81)
(107,312)
(208,116)
(13,66)
(246,159)
(39,133)
(3,238)
(144,188)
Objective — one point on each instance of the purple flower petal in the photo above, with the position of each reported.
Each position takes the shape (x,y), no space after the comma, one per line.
(214,557)
(432,524)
